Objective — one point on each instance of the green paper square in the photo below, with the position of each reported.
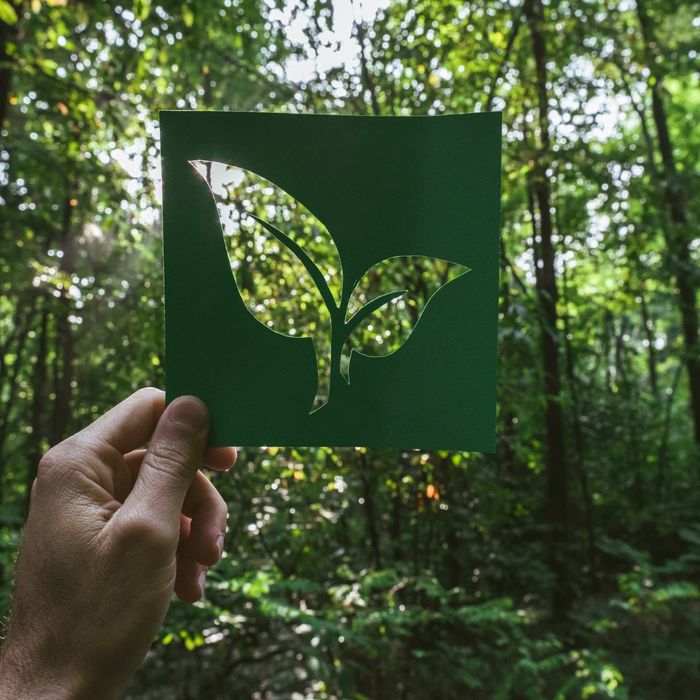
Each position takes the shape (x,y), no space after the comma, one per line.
(383,187)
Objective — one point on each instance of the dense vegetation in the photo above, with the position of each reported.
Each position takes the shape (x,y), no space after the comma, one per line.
(564,566)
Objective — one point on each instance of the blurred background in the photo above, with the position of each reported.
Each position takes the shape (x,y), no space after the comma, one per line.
(563,566)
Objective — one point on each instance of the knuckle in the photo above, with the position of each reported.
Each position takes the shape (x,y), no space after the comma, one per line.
(150,397)
(148,392)
(98,447)
(73,455)
(54,463)
(142,533)
(88,445)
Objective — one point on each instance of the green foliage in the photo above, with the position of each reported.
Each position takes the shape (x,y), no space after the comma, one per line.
(383,574)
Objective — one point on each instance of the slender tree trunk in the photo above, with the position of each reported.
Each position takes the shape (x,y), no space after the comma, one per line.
(367,80)
(7,32)
(557,468)
(453,561)
(579,461)
(65,349)
(507,430)
(396,516)
(677,237)
(39,402)
(662,458)
(607,323)
(415,543)
(13,374)
(370,515)
(620,351)
(515,27)
(649,336)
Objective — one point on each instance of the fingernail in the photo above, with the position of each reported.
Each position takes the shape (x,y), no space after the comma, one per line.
(220,544)
(190,412)
(202,581)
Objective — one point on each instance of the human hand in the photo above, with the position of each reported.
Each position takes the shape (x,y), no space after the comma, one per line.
(112,531)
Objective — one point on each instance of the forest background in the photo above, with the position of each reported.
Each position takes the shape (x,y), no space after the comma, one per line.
(563,566)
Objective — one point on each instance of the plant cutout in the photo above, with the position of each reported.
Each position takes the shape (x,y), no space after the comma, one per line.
(289,274)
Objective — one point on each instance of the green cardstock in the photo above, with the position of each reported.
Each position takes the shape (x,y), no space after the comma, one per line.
(333,280)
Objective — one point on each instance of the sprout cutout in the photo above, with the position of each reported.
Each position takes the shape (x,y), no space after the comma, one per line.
(288,271)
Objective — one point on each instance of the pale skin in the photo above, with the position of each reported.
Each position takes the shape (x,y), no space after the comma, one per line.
(113,531)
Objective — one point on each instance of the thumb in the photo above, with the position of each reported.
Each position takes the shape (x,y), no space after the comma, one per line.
(170,463)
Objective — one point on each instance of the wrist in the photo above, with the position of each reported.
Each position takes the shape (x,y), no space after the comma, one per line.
(26,675)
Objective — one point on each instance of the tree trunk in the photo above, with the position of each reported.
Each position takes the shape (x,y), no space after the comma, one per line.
(367,80)
(677,238)
(608,324)
(6,33)
(557,471)
(579,461)
(396,515)
(39,402)
(517,21)
(507,430)
(370,515)
(648,325)
(65,351)
(13,374)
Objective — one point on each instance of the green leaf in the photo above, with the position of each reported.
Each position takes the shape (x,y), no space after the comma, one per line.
(48,65)
(187,16)
(142,8)
(8,15)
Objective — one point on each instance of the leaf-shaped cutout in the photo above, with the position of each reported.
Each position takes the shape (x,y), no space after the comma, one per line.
(387,302)
(237,192)
(286,265)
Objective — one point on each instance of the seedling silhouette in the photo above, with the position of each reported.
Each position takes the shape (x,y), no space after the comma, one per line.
(348,305)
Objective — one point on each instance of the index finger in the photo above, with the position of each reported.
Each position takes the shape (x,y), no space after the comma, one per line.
(220,459)
(130,424)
